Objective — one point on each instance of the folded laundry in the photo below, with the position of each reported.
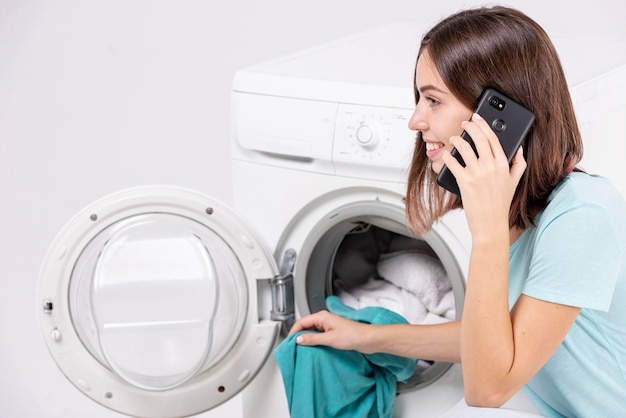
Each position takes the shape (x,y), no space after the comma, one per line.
(321,381)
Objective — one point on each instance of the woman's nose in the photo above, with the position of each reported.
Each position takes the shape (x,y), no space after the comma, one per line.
(417,122)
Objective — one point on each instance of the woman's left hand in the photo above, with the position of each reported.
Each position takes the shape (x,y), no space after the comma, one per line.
(487,183)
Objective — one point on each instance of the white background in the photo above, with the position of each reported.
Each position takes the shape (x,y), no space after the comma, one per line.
(101,95)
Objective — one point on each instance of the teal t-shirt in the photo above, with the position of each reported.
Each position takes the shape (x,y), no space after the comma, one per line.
(576,255)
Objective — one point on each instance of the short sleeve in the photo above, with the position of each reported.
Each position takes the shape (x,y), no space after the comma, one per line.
(574,259)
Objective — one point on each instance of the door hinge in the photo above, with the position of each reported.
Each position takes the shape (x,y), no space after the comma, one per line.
(283,305)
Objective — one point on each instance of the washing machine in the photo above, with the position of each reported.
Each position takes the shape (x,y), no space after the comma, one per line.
(162,302)
(325,130)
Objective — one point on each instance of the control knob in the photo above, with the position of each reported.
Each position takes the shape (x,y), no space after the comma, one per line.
(368,134)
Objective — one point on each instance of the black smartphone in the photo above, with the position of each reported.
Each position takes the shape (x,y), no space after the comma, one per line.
(509,120)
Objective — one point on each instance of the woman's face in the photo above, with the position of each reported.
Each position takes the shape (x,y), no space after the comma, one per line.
(438,114)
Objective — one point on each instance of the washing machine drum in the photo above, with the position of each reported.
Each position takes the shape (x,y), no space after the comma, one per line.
(148,302)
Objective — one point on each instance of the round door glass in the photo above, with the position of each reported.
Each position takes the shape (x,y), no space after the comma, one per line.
(158,298)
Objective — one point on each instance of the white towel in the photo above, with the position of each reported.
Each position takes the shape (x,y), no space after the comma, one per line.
(412,284)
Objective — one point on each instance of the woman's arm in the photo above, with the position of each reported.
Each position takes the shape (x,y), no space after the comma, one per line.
(438,342)
(500,349)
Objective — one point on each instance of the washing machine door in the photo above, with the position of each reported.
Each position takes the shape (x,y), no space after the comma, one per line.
(147,302)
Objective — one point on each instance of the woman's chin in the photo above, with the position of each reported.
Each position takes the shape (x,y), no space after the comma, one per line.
(436,166)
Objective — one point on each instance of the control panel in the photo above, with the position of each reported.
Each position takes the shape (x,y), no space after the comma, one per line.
(367,136)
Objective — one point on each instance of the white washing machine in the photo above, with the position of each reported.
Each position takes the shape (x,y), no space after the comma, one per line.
(161,302)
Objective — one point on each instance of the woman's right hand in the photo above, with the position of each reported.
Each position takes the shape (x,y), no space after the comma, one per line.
(335,331)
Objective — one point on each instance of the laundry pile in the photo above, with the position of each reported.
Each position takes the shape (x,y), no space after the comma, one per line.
(378,268)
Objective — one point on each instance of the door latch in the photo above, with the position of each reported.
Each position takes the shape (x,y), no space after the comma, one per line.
(283,305)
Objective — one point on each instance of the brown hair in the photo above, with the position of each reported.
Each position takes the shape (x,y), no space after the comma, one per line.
(502,48)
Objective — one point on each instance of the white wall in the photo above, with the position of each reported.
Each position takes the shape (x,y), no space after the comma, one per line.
(100,95)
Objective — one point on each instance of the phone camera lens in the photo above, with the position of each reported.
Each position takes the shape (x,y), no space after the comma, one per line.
(496,102)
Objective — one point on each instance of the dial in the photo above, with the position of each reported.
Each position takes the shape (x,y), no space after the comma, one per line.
(367,134)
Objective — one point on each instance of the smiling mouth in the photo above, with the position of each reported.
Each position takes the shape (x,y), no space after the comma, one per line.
(432,146)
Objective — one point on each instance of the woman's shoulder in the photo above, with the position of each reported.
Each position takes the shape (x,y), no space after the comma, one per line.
(582,188)
(586,192)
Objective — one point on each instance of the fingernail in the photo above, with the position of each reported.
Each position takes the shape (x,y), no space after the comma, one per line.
(299,339)
(477,116)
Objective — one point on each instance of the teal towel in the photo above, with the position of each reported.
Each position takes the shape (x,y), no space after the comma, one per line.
(321,381)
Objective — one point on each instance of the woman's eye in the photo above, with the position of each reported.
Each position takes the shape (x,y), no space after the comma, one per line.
(433,102)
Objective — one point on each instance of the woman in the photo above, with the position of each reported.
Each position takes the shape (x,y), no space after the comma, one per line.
(545,304)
